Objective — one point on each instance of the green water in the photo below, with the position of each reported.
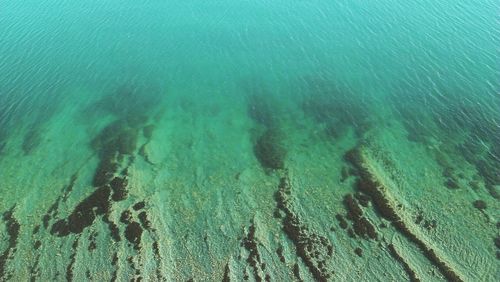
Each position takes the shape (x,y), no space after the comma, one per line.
(250,140)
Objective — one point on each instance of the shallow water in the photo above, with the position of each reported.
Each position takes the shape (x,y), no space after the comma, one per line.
(249,140)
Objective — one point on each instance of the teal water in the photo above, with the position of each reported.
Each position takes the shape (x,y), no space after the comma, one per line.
(250,140)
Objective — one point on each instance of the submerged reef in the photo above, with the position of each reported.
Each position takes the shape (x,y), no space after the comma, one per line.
(13,228)
(268,145)
(387,208)
(315,250)
(269,150)
(116,147)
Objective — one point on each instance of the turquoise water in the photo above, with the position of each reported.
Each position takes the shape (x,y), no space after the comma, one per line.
(249,140)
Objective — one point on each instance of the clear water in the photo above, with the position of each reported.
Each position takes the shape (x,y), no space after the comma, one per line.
(253,132)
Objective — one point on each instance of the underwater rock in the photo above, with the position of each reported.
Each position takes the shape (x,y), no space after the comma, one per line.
(105,170)
(362,227)
(313,249)
(226,278)
(133,233)
(84,213)
(369,185)
(479,204)
(279,252)
(353,210)
(451,184)
(126,142)
(411,273)
(344,174)
(119,188)
(139,205)
(143,218)
(269,150)
(254,260)
(341,220)
(13,227)
(358,252)
(72,257)
(362,199)
(126,217)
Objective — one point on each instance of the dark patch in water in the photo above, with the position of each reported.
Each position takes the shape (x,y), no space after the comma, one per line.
(362,227)
(72,257)
(333,106)
(125,217)
(129,100)
(114,262)
(259,110)
(143,218)
(250,244)
(53,210)
(92,241)
(226,278)
(13,227)
(296,271)
(139,205)
(385,208)
(312,248)
(269,150)
(133,233)
(411,273)
(479,204)
(147,131)
(451,184)
(341,220)
(279,252)
(119,188)
(84,214)
(31,141)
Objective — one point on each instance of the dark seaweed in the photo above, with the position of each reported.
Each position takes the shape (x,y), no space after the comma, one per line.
(269,150)
(411,273)
(84,213)
(13,228)
(479,204)
(133,233)
(313,249)
(250,244)
(367,185)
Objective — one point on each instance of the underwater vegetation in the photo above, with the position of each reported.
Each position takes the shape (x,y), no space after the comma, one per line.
(269,150)
(249,141)
(115,146)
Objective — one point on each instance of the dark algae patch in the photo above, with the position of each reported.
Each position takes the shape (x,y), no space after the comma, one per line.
(362,227)
(227,271)
(269,150)
(377,192)
(84,213)
(114,145)
(166,141)
(133,233)
(254,259)
(411,273)
(314,250)
(12,226)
